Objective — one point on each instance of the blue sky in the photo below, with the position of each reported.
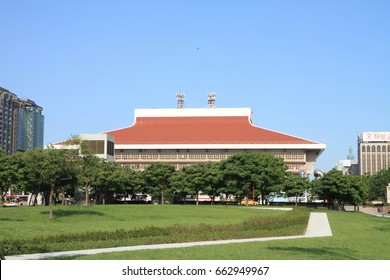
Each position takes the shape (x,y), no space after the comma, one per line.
(319,70)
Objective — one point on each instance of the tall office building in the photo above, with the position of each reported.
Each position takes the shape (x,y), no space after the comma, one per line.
(21,123)
(30,125)
(374,152)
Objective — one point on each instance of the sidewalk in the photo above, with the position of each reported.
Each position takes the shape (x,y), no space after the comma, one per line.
(318,226)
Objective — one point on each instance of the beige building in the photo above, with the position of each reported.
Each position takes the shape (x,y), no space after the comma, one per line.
(374,152)
(184,137)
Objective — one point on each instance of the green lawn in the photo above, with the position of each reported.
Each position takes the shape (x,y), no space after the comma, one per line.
(28,229)
(357,236)
(28,222)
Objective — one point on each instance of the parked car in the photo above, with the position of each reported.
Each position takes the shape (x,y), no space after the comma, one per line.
(250,202)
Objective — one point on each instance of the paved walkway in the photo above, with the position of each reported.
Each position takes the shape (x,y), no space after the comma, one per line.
(318,226)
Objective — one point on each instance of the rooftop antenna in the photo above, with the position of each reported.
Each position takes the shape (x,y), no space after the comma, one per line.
(180,97)
(211,100)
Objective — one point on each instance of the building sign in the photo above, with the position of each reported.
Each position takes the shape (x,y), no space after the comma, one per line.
(376,136)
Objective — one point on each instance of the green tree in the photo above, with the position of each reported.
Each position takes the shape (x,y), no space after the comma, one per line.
(58,171)
(377,184)
(180,186)
(114,179)
(48,171)
(89,167)
(244,171)
(337,188)
(7,174)
(296,185)
(157,179)
(198,179)
(215,185)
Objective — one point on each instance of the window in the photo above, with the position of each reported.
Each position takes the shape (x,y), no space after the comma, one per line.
(110,148)
(149,156)
(216,156)
(168,156)
(96,146)
(198,156)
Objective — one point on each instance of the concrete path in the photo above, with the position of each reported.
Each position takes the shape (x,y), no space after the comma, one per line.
(318,226)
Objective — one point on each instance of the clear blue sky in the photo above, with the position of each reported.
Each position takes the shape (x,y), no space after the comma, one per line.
(319,70)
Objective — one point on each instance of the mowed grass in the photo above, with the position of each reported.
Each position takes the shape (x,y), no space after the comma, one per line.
(356,236)
(28,222)
(28,229)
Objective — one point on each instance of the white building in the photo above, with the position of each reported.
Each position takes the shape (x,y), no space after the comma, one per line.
(349,165)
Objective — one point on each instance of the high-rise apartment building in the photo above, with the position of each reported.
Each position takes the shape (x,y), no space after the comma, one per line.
(8,121)
(21,123)
(374,152)
(30,125)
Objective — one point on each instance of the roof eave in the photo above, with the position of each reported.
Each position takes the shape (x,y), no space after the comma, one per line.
(316,146)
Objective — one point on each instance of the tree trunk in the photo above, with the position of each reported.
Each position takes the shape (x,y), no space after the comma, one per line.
(63,198)
(51,203)
(46,196)
(86,194)
(162,198)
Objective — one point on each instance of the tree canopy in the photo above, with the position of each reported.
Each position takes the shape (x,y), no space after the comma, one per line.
(337,188)
(244,171)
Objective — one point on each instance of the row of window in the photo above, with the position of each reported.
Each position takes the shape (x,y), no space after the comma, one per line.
(136,155)
(375,148)
(291,156)
(162,156)
(374,163)
(141,167)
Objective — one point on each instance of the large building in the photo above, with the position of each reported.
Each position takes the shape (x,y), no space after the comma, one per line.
(374,152)
(184,137)
(8,121)
(348,166)
(30,125)
(21,123)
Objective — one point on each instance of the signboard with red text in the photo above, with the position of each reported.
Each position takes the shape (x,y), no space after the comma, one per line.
(376,136)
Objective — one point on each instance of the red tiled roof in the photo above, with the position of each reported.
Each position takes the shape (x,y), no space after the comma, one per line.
(200,130)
